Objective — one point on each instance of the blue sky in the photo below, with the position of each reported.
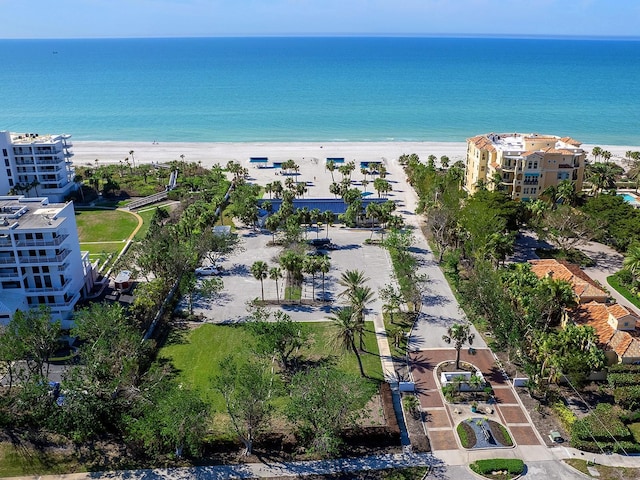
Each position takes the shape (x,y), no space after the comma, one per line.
(159,18)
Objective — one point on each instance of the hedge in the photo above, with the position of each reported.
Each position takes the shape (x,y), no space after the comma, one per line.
(602,424)
(628,396)
(624,368)
(514,466)
(566,416)
(620,379)
(610,446)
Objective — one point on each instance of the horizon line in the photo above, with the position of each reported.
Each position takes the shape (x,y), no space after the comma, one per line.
(352,35)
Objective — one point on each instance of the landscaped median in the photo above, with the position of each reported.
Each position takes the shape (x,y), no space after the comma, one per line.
(498,468)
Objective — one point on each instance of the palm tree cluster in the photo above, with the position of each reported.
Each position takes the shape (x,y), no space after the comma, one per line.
(349,320)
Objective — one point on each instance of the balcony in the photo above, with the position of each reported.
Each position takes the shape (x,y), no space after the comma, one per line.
(47,151)
(15,274)
(68,303)
(8,260)
(52,242)
(59,289)
(45,259)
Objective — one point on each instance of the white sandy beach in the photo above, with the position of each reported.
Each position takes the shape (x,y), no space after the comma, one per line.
(86,152)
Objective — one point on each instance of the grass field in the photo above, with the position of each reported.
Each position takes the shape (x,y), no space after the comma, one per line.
(196,354)
(18,461)
(614,282)
(99,225)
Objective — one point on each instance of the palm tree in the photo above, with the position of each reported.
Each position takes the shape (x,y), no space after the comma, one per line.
(291,262)
(360,297)
(634,172)
(331,166)
(328,217)
(459,334)
(373,212)
(310,266)
(324,265)
(275,273)
(78,181)
(559,296)
(596,152)
(632,261)
(133,160)
(260,270)
(344,334)
(444,161)
(351,279)
(601,176)
(566,192)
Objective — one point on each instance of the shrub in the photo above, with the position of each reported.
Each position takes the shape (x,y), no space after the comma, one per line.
(466,434)
(619,379)
(628,396)
(623,368)
(602,424)
(514,466)
(565,415)
(502,434)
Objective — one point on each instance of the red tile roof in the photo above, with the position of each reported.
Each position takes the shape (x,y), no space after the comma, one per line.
(583,285)
(596,315)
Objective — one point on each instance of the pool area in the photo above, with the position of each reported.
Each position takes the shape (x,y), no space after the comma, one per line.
(631,199)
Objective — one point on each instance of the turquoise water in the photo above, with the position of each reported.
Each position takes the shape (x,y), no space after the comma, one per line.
(629,199)
(321,89)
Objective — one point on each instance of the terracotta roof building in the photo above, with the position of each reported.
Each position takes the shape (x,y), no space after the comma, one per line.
(618,329)
(524,164)
(585,288)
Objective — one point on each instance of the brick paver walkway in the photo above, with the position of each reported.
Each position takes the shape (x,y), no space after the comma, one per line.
(442,418)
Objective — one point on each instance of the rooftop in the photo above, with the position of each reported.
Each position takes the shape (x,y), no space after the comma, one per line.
(28,213)
(596,315)
(583,285)
(31,138)
(516,142)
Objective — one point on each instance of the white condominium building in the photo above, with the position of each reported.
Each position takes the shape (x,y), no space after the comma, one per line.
(40,258)
(523,165)
(36,165)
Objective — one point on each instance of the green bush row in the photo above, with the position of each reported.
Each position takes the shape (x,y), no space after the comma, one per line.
(514,466)
(622,446)
(627,397)
(602,424)
(623,368)
(566,416)
(619,379)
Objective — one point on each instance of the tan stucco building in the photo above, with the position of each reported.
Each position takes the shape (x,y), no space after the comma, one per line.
(525,164)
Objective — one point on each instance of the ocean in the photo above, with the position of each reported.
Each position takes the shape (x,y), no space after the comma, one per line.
(321,89)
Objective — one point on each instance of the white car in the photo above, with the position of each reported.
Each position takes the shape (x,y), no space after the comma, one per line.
(209,270)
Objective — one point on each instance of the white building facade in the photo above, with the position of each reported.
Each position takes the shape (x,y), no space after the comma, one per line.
(36,165)
(40,258)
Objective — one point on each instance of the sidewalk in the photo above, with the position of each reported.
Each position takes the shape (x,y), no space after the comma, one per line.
(257,470)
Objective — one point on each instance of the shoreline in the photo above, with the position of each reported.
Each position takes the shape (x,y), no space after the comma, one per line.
(211,153)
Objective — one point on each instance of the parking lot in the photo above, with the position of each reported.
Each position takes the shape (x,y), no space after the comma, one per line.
(240,286)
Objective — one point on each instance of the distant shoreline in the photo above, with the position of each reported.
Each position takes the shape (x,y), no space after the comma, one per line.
(210,153)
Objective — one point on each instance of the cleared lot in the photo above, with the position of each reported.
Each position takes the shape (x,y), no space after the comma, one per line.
(240,286)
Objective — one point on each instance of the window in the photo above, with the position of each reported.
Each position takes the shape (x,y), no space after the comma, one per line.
(6,162)
(535,164)
(8,172)
(10,183)
(4,152)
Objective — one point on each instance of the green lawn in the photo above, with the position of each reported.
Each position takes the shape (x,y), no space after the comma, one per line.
(98,225)
(196,354)
(634,428)
(19,461)
(622,290)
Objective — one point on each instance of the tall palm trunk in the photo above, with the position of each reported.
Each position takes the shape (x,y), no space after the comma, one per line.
(355,350)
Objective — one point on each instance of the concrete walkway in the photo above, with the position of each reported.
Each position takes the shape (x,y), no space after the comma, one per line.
(257,470)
